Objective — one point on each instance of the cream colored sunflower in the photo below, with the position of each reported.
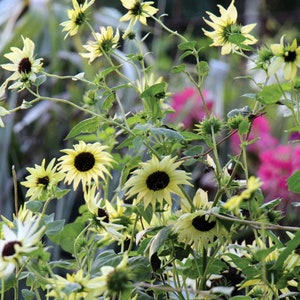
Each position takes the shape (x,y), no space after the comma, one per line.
(286,56)
(156,180)
(77,16)
(42,181)
(105,41)
(137,11)
(23,65)
(194,225)
(85,163)
(227,33)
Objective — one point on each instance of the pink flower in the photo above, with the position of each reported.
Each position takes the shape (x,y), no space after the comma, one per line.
(188,106)
(260,129)
(276,166)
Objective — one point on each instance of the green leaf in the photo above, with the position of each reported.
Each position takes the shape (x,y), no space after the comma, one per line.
(294,182)
(269,94)
(54,227)
(86,126)
(141,270)
(244,126)
(67,236)
(203,68)
(195,150)
(27,294)
(34,206)
(236,38)
(190,45)
(106,258)
(179,68)
(159,240)
(109,101)
(290,246)
(168,132)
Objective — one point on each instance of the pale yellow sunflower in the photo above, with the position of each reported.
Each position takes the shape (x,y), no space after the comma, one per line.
(105,222)
(42,181)
(137,11)
(156,180)
(233,204)
(195,226)
(23,65)
(85,163)
(58,287)
(227,33)
(286,56)
(114,282)
(77,16)
(105,41)
(17,242)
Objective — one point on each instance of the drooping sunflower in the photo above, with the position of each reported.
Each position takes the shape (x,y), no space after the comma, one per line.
(105,42)
(286,56)
(23,65)
(77,16)
(227,33)
(196,226)
(156,180)
(85,163)
(42,181)
(137,11)
(234,203)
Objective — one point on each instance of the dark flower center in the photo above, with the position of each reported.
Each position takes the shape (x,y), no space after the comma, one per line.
(24,66)
(137,10)
(84,161)
(9,248)
(290,56)
(201,224)
(157,181)
(297,250)
(80,18)
(43,180)
(103,214)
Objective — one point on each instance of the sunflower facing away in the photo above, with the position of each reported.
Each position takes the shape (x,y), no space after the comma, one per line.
(42,181)
(105,42)
(77,17)
(227,33)
(23,65)
(286,56)
(85,163)
(137,11)
(156,180)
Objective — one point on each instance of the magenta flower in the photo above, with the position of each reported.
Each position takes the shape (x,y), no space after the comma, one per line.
(260,129)
(188,106)
(276,166)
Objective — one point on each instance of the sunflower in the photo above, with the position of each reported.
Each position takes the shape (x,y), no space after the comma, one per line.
(23,66)
(114,281)
(227,33)
(85,163)
(234,203)
(137,11)
(42,181)
(101,217)
(286,56)
(77,17)
(104,43)
(18,242)
(195,226)
(156,180)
